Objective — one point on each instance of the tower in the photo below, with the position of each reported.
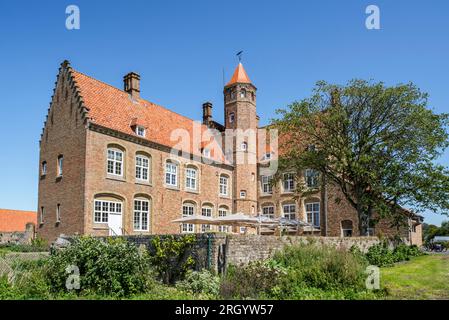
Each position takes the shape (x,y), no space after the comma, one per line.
(241,121)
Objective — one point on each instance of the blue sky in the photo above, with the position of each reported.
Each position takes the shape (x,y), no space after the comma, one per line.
(180,48)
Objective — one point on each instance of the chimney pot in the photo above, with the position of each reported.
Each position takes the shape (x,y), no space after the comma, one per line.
(132,84)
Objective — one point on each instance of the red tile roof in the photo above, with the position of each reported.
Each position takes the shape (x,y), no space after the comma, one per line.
(239,76)
(113,108)
(16,220)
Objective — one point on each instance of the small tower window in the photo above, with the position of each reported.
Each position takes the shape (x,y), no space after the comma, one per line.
(244,146)
(243,93)
(231,117)
(44,168)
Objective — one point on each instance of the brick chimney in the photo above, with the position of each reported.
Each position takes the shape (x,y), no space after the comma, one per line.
(132,84)
(207,113)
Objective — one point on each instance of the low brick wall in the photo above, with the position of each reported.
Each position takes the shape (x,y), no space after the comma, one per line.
(24,237)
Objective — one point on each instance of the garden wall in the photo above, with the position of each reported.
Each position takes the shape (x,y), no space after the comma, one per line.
(24,237)
(218,250)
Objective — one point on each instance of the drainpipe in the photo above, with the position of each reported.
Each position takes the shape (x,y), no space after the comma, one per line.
(209,251)
(325,206)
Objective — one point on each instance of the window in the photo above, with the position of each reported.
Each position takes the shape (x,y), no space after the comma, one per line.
(267,187)
(42,215)
(188,209)
(206,153)
(231,117)
(142,168)
(347,232)
(289,182)
(243,93)
(60,165)
(311,178)
(141,215)
(242,194)
(313,213)
(223,212)
(115,162)
(371,232)
(267,156)
(244,146)
(140,131)
(58,213)
(289,211)
(103,208)
(207,212)
(223,185)
(44,168)
(268,211)
(191,174)
(171,174)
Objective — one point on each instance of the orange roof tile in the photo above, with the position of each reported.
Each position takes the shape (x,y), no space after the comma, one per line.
(16,220)
(239,76)
(113,108)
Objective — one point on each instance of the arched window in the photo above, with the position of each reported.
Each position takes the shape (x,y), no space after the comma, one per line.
(243,93)
(44,168)
(191,178)
(244,146)
(188,209)
(289,211)
(142,167)
(60,165)
(231,117)
(224,185)
(141,214)
(106,205)
(223,211)
(206,211)
(171,173)
(115,161)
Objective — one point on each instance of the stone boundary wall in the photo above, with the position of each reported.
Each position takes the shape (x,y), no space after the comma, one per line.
(24,237)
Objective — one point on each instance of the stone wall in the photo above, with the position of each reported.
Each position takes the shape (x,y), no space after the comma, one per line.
(18,237)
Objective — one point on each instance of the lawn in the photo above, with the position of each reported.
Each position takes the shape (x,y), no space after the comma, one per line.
(425,277)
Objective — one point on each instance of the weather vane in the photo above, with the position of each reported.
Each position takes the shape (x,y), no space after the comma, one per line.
(239,55)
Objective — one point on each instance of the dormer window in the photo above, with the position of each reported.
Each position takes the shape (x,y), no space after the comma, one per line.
(206,153)
(140,131)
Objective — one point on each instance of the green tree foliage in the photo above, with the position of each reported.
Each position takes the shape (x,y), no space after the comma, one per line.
(378,144)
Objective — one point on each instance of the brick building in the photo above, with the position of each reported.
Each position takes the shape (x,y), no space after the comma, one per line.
(114,163)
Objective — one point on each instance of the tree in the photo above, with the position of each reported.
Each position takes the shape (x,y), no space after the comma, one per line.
(378,144)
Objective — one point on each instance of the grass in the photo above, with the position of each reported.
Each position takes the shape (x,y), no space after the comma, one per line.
(425,277)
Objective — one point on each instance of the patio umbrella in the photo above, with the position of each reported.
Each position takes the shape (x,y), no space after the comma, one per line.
(195,219)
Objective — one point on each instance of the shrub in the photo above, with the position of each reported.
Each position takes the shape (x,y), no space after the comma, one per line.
(37,245)
(380,255)
(200,282)
(111,267)
(172,257)
(319,267)
(256,280)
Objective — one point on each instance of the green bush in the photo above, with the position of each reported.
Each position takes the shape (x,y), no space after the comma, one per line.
(37,245)
(200,282)
(319,267)
(380,255)
(171,257)
(256,280)
(111,267)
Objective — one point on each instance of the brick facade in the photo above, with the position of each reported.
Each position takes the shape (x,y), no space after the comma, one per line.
(87,117)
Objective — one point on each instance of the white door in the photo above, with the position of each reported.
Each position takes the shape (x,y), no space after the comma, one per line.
(115,223)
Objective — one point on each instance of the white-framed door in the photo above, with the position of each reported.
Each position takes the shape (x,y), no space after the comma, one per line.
(115,223)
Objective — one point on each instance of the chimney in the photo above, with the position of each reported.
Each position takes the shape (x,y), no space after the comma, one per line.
(207,113)
(132,84)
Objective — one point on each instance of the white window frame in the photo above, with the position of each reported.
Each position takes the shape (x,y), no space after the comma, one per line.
(223,185)
(171,174)
(242,194)
(288,212)
(312,215)
(188,209)
(268,211)
(191,178)
(142,170)
(140,131)
(44,168)
(60,165)
(267,187)
(244,146)
(141,214)
(312,178)
(223,212)
(206,211)
(288,179)
(114,165)
(106,207)
(58,213)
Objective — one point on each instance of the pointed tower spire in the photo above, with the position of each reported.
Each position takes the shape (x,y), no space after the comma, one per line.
(239,76)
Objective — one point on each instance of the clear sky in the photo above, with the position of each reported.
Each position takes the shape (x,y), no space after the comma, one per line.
(181,48)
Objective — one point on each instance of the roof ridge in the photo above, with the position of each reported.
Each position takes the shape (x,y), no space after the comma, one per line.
(145,100)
